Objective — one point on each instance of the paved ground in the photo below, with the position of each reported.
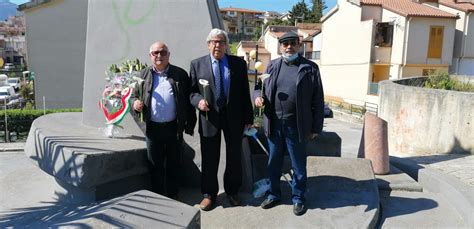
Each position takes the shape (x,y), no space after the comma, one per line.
(460,166)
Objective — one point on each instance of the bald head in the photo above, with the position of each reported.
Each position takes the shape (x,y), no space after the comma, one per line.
(159,55)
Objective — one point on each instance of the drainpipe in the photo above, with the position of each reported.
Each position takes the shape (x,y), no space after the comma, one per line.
(405,44)
(463,42)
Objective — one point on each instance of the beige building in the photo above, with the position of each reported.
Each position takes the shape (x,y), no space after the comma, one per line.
(242,21)
(268,42)
(368,41)
(463,55)
(245,47)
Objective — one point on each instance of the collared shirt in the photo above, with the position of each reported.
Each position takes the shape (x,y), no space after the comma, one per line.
(225,72)
(163,105)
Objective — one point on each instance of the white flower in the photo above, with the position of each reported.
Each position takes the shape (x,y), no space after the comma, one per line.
(204,82)
(263,77)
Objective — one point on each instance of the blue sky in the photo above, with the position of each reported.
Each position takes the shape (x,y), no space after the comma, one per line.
(268,5)
(18,2)
(263,5)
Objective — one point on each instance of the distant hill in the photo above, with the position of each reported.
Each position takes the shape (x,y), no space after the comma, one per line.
(7,9)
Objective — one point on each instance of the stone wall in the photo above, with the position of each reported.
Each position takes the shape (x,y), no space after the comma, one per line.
(426,121)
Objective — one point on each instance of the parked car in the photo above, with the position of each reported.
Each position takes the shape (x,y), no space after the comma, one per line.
(8,97)
(15,83)
(9,66)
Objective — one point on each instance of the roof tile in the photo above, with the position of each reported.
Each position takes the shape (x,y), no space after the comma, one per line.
(408,8)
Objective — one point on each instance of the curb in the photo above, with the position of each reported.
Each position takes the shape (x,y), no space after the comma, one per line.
(11,149)
(460,195)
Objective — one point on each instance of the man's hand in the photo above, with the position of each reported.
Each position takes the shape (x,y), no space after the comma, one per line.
(202,106)
(312,136)
(138,105)
(259,102)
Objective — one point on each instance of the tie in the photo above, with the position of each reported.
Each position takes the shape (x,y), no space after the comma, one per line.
(219,84)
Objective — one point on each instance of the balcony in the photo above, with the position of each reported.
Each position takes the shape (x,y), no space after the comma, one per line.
(381,55)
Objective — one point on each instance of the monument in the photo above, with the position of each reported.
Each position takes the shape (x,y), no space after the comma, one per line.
(87,165)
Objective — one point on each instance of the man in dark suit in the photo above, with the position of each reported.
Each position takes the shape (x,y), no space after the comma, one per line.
(224,105)
(167,111)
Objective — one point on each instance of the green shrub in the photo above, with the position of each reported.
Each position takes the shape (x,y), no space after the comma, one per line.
(20,121)
(442,80)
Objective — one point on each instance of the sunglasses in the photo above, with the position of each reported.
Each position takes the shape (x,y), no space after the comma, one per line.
(287,43)
(215,42)
(162,53)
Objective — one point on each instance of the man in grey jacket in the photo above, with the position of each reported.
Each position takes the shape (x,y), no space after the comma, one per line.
(293,114)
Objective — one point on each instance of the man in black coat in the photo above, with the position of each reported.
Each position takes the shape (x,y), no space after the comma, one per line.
(220,91)
(167,112)
(294,113)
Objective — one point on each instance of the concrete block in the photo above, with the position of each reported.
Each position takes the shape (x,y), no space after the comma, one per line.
(396,180)
(341,193)
(145,209)
(84,161)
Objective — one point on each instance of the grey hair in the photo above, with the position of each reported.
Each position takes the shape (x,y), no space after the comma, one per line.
(217,32)
(156,43)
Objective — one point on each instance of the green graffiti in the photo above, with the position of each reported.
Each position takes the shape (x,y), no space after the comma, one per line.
(124,22)
(140,19)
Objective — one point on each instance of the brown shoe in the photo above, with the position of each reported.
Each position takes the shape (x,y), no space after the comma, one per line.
(206,204)
(234,200)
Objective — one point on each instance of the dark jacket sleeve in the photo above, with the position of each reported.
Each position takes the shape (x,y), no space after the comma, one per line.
(190,110)
(317,102)
(195,95)
(247,106)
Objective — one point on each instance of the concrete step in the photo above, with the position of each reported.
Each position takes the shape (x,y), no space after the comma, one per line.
(401,209)
(341,192)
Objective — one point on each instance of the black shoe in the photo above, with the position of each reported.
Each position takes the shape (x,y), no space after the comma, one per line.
(269,203)
(299,209)
(234,200)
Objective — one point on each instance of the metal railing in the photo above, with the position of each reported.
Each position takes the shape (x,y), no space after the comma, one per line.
(371,107)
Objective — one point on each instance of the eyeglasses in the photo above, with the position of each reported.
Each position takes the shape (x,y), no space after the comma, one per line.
(287,43)
(215,42)
(162,53)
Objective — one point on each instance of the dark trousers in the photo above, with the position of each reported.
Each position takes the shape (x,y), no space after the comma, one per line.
(284,135)
(164,157)
(210,151)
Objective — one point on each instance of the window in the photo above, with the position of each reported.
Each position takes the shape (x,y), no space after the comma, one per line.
(435,44)
(249,30)
(383,35)
(232,13)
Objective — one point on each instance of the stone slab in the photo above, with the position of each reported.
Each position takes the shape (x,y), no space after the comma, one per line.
(401,209)
(459,194)
(396,180)
(80,156)
(144,209)
(341,192)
